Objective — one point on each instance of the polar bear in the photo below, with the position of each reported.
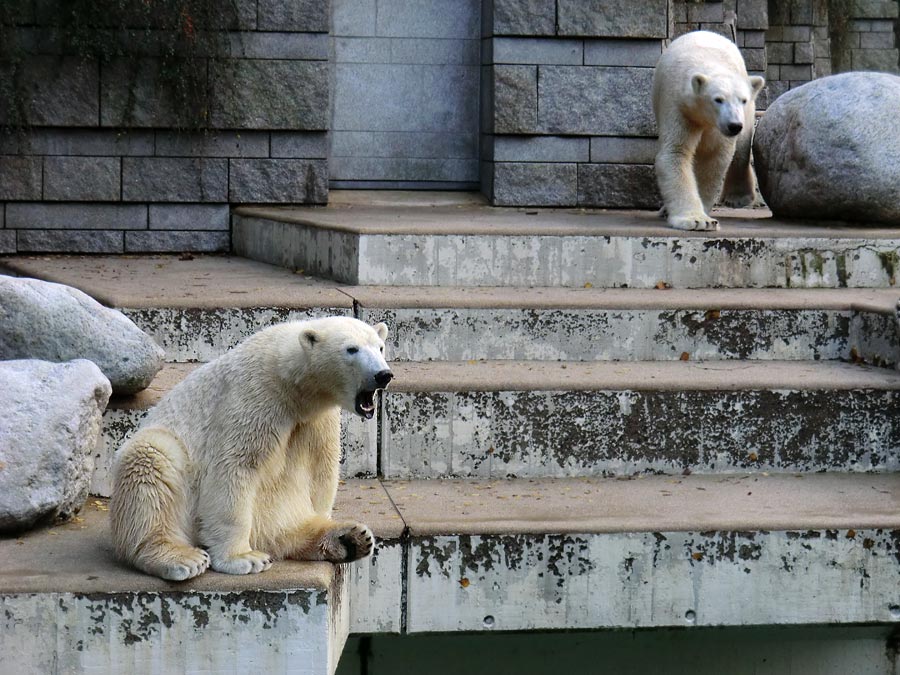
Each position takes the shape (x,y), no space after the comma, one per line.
(705,108)
(238,464)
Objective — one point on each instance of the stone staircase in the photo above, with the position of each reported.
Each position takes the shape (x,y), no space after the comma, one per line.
(556,451)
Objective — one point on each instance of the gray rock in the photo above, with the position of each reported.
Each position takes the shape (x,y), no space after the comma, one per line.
(830,150)
(52,415)
(53,322)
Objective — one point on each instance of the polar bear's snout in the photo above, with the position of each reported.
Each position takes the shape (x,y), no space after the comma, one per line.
(383,378)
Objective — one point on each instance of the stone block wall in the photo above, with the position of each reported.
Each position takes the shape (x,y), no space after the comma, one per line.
(565,114)
(103,170)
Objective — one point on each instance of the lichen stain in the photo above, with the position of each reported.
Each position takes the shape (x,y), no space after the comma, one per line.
(430,550)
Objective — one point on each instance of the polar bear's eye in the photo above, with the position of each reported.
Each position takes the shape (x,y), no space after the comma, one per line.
(381,349)
(719,99)
(352,350)
(743,101)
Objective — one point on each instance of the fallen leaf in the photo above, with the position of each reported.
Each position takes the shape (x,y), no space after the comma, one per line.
(589,285)
(685,356)
(868,543)
(851,534)
(752,457)
(464,582)
(713,314)
(697,555)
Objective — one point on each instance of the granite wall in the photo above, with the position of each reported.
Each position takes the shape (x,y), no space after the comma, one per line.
(367,93)
(99,173)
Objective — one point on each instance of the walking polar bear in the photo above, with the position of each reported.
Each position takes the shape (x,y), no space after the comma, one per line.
(238,464)
(704,103)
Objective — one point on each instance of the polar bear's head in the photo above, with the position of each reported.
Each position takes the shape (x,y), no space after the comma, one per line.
(722,100)
(346,358)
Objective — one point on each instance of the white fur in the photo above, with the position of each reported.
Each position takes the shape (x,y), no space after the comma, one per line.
(700,88)
(241,458)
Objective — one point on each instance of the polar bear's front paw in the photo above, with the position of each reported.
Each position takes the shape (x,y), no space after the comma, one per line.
(190,562)
(348,543)
(694,221)
(251,562)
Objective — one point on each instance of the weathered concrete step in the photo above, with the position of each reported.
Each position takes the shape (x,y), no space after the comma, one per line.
(448,324)
(124,414)
(69,607)
(198,309)
(476,245)
(536,419)
(651,552)
(475,555)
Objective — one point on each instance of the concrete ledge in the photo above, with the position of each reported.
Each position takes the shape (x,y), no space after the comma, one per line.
(483,376)
(472,245)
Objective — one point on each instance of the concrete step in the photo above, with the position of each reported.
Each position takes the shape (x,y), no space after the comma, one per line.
(537,419)
(475,555)
(569,324)
(469,244)
(70,607)
(198,309)
(652,552)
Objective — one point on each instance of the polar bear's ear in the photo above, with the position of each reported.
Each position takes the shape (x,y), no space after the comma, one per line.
(698,81)
(382,330)
(757,83)
(308,337)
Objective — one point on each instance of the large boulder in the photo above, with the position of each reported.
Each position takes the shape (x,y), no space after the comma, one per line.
(49,428)
(42,320)
(830,149)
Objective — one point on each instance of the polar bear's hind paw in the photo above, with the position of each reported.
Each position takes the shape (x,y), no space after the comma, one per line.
(348,543)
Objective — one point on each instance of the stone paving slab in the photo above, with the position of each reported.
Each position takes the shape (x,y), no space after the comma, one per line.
(638,376)
(739,502)
(160,281)
(201,282)
(482,297)
(474,219)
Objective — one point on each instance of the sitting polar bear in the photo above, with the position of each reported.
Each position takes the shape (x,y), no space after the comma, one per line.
(704,103)
(238,464)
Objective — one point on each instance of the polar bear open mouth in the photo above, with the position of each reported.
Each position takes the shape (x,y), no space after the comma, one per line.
(365,404)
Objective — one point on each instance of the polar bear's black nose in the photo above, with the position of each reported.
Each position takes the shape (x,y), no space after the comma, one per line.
(383,378)
(734,128)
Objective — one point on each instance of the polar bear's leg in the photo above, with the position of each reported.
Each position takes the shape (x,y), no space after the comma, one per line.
(226,499)
(710,164)
(740,181)
(677,183)
(149,513)
(227,504)
(321,538)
